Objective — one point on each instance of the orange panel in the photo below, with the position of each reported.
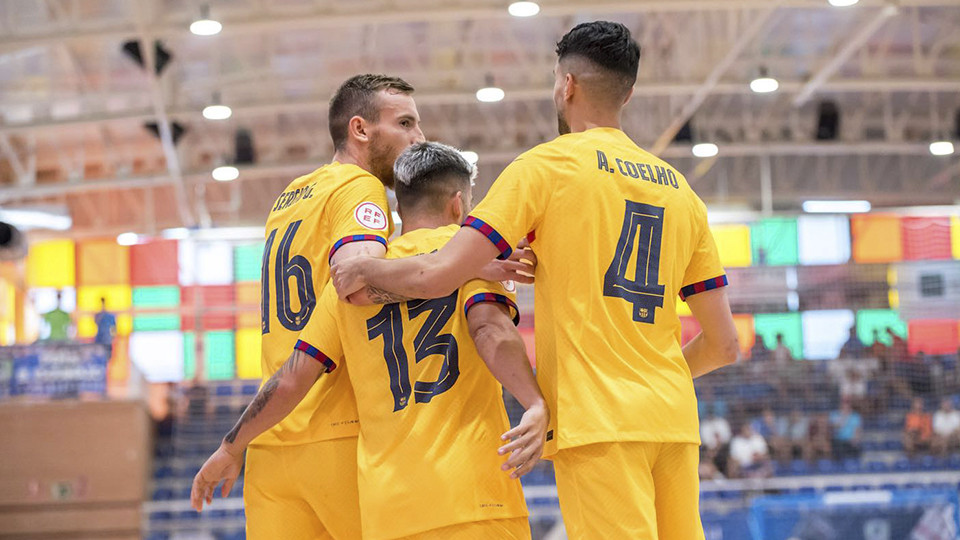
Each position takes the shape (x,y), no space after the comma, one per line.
(103,262)
(876,238)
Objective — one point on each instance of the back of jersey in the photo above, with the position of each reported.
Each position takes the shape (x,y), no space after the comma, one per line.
(619,234)
(315,215)
(431,413)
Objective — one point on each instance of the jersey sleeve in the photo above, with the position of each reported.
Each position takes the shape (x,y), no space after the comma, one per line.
(515,205)
(320,338)
(359,212)
(704,271)
(479,291)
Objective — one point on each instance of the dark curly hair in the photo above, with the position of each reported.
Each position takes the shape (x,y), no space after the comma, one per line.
(607,44)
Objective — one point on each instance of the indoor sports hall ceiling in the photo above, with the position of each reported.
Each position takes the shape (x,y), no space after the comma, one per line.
(73,104)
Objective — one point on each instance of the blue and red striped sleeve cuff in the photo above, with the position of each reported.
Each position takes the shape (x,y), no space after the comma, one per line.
(355,238)
(491,234)
(493,297)
(710,284)
(315,353)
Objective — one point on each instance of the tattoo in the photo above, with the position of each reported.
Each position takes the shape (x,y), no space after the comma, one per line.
(266,392)
(380,296)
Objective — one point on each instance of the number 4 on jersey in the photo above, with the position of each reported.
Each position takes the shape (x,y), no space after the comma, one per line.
(643,289)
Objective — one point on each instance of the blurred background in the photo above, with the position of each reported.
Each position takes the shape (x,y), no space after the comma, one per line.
(142,143)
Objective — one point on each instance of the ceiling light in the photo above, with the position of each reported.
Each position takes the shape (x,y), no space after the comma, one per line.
(205,26)
(490,94)
(470,156)
(217,112)
(523,9)
(128,239)
(842,3)
(26,219)
(226,173)
(764,83)
(705,150)
(941,148)
(836,207)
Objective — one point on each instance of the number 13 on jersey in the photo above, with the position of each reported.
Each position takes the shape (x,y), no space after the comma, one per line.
(642,231)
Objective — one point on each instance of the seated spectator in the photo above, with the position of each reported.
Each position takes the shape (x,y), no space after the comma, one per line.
(821,438)
(714,430)
(917,429)
(798,435)
(853,387)
(781,354)
(946,428)
(877,350)
(853,348)
(846,425)
(749,455)
(773,429)
(759,352)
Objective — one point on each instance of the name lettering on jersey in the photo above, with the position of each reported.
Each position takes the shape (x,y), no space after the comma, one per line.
(289,198)
(641,171)
(370,216)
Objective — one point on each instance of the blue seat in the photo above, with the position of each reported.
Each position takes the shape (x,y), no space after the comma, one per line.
(188,515)
(826,466)
(250,389)
(799,467)
(852,466)
(224,390)
(163,472)
(893,445)
(158,535)
(162,494)
(877,467)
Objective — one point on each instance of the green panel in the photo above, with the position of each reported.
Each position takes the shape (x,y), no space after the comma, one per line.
(869,320)
(247,262)
(156,321)
(768,325)
(219,355)
(775,242)
(150,297)
(189,355)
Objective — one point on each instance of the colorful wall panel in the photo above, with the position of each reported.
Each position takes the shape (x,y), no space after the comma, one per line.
(247,262)
(51,263)
(877,238)
(825,332)
(219,354)
(248,305)
(745,332)
(205,263)
(733,243)
(103,262)
(248,353)
(158,355)
(926,238)
(823,239)
(773,242)
(118,299)
(214,303)
(879,321)
(933,336)
(790,325)
(154,263)
(955,236)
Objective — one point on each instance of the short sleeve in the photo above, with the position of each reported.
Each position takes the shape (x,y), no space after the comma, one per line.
(704,271)
(320,338)
(479,291)
(359,212)
(516,202)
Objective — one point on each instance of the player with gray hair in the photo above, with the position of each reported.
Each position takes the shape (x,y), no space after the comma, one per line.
(428,175)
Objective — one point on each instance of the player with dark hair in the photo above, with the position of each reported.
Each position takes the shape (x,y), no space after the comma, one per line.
(431,415)
(619,234)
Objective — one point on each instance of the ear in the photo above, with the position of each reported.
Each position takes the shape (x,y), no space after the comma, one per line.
(629,95)
(569,82)
(455,208)
(357,128)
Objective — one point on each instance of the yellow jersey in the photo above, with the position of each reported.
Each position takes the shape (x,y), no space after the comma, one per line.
(618,234)
(314,216)
(431,413)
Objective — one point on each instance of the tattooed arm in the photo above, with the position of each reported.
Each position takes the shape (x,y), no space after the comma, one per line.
(278,396)
(372,295)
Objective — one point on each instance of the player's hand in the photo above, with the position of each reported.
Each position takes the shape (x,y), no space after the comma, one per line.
(508,270)
(221,466)
(526,441)
(347,277)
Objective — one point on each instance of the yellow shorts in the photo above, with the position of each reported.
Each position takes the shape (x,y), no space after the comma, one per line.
(499,529)
(306,491)
(637,490)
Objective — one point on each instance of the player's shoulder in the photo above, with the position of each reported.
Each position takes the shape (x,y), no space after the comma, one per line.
(557,149)
(420,241)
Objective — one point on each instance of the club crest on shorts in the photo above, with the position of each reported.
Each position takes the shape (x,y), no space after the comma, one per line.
(370,216)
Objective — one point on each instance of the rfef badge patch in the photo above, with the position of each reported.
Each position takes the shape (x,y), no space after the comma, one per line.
(370,216)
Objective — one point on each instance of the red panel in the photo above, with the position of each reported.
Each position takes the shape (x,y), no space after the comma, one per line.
(216,303)
(154,263)
(933,336)
(926,238)
(689,328)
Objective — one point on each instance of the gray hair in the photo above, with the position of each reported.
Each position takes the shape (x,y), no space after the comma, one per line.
(425,159)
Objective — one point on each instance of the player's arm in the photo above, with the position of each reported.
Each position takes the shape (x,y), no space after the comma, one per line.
(432,275)
(367,295)
(275,400)
(503,351)
(717,344)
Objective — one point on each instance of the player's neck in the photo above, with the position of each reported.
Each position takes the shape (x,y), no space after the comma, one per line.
(350,156)
(594,120)
(412,223)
